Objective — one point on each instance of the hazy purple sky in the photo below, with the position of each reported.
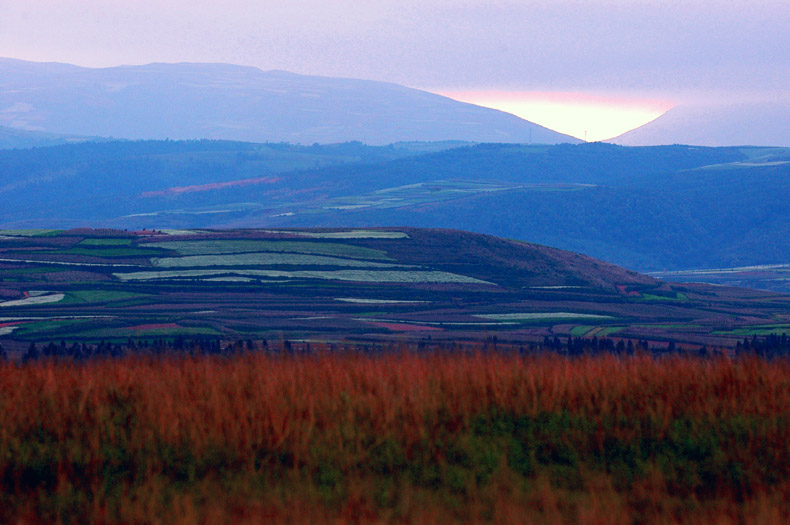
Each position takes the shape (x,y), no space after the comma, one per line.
(662,48)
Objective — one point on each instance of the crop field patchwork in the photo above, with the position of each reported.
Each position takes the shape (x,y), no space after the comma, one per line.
(761,277)
(437,191)
(89,285)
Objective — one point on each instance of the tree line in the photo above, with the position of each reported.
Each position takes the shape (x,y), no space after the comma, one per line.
(770,346)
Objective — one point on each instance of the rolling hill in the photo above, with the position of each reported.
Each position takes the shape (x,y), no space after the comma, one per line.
(14,138)
(716,124)
(365,284)
(649,209)
(223,101)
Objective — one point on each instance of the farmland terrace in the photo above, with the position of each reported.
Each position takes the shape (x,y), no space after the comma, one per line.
(377,284)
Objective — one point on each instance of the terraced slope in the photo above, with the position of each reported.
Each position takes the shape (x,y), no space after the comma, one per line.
(329,284)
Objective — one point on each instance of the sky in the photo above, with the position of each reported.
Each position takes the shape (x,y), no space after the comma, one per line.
(596,66)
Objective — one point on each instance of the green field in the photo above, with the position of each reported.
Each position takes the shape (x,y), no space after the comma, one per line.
(101,296)
(52,328)
(581,330)
(678,297)
(757,330)
(263,259)
(445,284)
(121,334)
(106,242)
(217,247)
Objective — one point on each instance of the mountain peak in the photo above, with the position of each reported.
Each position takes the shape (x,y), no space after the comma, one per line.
(762,123)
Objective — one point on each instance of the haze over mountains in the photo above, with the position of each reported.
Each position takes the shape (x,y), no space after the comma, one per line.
(763,123)
(221,101)
(229,102)
(647,208)
(15,138)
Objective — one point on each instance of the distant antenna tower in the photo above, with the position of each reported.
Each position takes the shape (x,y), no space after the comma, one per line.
(585,135)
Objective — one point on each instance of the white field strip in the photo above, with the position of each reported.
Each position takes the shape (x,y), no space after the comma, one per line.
(230,279)
(348,207)
(736,269)
(434,323)
(376,301)
(373,276)
(53,317)
(353,234)
(541,315)
(25,233)
(181,232)
(5,330)
(766,164)
(264,259)
(31,261)
(31,301)
(554,287)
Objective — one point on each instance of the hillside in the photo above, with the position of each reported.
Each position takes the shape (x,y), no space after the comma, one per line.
(648,209)
(228,102)
(330,284)
(716,124)
(14,138)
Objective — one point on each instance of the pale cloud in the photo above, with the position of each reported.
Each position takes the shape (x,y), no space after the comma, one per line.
(667,46)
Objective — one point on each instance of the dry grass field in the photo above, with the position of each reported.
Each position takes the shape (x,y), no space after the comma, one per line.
(396,437)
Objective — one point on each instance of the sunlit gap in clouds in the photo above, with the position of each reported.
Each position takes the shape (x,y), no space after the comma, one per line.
(584,116)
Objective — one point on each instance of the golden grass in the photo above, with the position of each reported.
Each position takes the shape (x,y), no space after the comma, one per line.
(398,437)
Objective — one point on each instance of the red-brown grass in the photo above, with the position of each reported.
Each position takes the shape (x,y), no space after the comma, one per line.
(396,438)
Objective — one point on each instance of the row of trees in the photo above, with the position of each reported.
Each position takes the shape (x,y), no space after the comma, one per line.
(576,346)
(768,346)
(178,345)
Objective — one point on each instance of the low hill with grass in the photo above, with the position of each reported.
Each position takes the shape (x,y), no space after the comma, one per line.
(371,284)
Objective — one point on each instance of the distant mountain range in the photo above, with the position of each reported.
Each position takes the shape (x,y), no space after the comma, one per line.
(222,101)
(11,138)
(716,124)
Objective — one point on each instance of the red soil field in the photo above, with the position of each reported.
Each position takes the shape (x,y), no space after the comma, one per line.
(406,327)
(142,327)
(210,187)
